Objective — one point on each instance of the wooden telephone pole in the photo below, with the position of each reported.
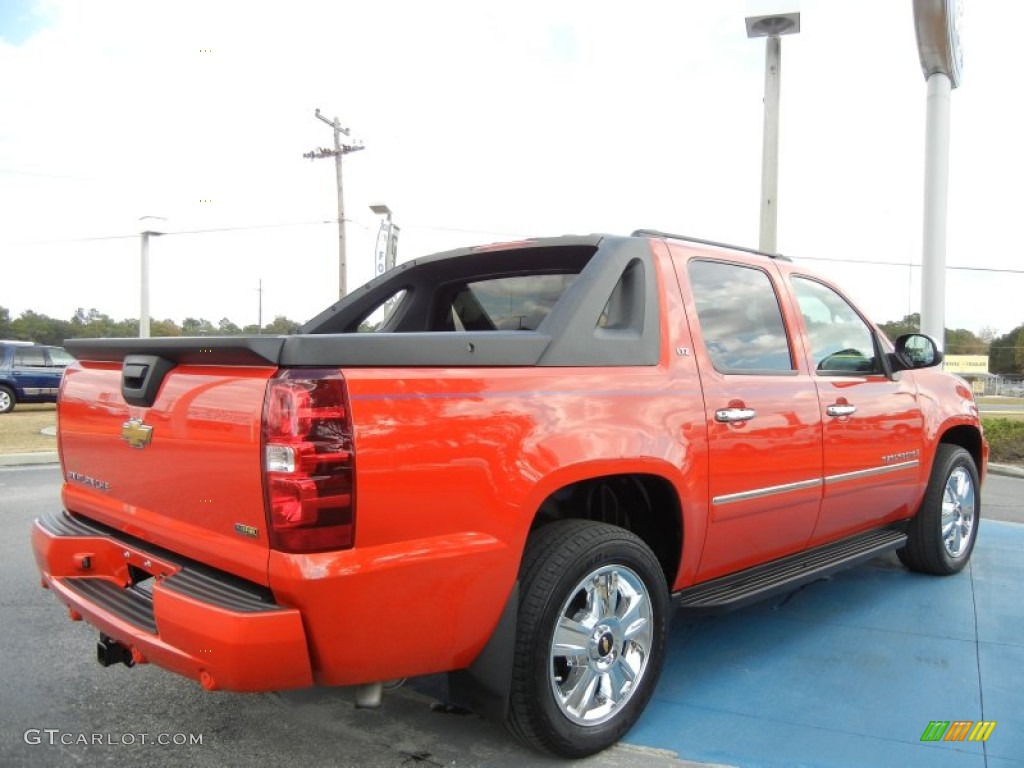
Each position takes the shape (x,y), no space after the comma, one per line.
(337,153)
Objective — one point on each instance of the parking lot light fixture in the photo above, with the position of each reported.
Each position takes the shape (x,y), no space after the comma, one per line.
(387,240)
(771,27)
(151,225)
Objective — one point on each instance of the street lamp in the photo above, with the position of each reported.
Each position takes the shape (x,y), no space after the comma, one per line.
(771,27)
(150,226)
(937,24)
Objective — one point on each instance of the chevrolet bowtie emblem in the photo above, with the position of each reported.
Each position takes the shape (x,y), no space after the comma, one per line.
(137,434)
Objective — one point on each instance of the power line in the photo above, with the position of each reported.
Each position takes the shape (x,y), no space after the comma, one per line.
(171,234)
(244,228)
(38,174)
(252,226)
(907,264)
(989,269)
(516,235)
(490,233)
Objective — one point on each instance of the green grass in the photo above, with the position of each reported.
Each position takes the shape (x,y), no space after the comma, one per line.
(1005,439)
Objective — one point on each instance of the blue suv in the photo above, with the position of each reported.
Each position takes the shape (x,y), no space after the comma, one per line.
(30,373)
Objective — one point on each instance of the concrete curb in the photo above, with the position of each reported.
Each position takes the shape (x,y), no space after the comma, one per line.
(1007,470)
(26,459)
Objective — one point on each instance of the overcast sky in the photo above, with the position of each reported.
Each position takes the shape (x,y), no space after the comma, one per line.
(483,121)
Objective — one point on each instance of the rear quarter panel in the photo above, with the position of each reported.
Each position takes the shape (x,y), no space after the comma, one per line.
(452,465)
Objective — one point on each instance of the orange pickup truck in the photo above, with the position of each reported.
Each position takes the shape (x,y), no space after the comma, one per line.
(510,463)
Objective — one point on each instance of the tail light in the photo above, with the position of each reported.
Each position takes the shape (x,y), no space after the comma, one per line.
(308,463)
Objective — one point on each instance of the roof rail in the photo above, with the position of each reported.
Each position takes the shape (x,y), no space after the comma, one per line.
(659,233)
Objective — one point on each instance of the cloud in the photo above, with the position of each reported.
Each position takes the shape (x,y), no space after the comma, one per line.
(482,121)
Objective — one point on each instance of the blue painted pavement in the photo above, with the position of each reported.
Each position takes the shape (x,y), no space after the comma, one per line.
(849,671)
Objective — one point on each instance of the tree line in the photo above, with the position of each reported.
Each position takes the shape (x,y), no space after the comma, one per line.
(958,341)
(37,327)
(1006,353)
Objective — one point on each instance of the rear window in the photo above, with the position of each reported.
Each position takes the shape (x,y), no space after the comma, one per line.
(491,288)
(518,303)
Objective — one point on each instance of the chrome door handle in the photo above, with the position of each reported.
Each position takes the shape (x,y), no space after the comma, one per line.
(732,415)
(841,410)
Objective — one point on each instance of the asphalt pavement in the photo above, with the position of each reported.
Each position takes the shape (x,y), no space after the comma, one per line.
(856,669)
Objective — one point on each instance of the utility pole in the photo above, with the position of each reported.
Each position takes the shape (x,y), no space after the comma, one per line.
(259,315)
(337,153)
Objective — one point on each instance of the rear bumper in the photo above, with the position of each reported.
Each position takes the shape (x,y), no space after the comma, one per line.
(223,632)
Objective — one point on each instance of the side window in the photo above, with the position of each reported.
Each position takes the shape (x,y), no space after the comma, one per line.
(841,342)
(377,320)
(29,356)
(740,318)
(59,358)
(624,310)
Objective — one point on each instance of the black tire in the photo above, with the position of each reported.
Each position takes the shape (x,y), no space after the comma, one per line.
(565,566)
(941,536)
(7,400)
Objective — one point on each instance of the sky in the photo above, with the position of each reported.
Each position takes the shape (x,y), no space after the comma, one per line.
(483,122)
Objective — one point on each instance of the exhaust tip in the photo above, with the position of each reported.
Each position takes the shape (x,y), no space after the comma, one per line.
(368,696)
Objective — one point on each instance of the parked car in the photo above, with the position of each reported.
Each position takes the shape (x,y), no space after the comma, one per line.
(30,373)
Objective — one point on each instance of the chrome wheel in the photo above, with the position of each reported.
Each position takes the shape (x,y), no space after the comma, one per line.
(958,504)
(6,400)
(941,536)
(590,636)
(601,645)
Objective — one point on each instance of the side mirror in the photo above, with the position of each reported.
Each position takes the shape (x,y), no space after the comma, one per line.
(915,350)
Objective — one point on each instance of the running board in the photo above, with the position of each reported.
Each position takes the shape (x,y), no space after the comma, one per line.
(739,589)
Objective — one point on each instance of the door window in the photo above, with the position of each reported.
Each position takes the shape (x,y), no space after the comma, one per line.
(740,318)
(29,357)
(841,342)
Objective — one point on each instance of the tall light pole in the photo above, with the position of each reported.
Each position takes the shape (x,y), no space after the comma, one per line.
(338,151)
(937,23)
(150,226)
(771,28)
(259,309)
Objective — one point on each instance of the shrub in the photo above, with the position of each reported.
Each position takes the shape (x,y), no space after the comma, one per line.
(1005,439)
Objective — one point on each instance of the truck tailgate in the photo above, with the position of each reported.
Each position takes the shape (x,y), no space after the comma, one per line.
(184,473)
